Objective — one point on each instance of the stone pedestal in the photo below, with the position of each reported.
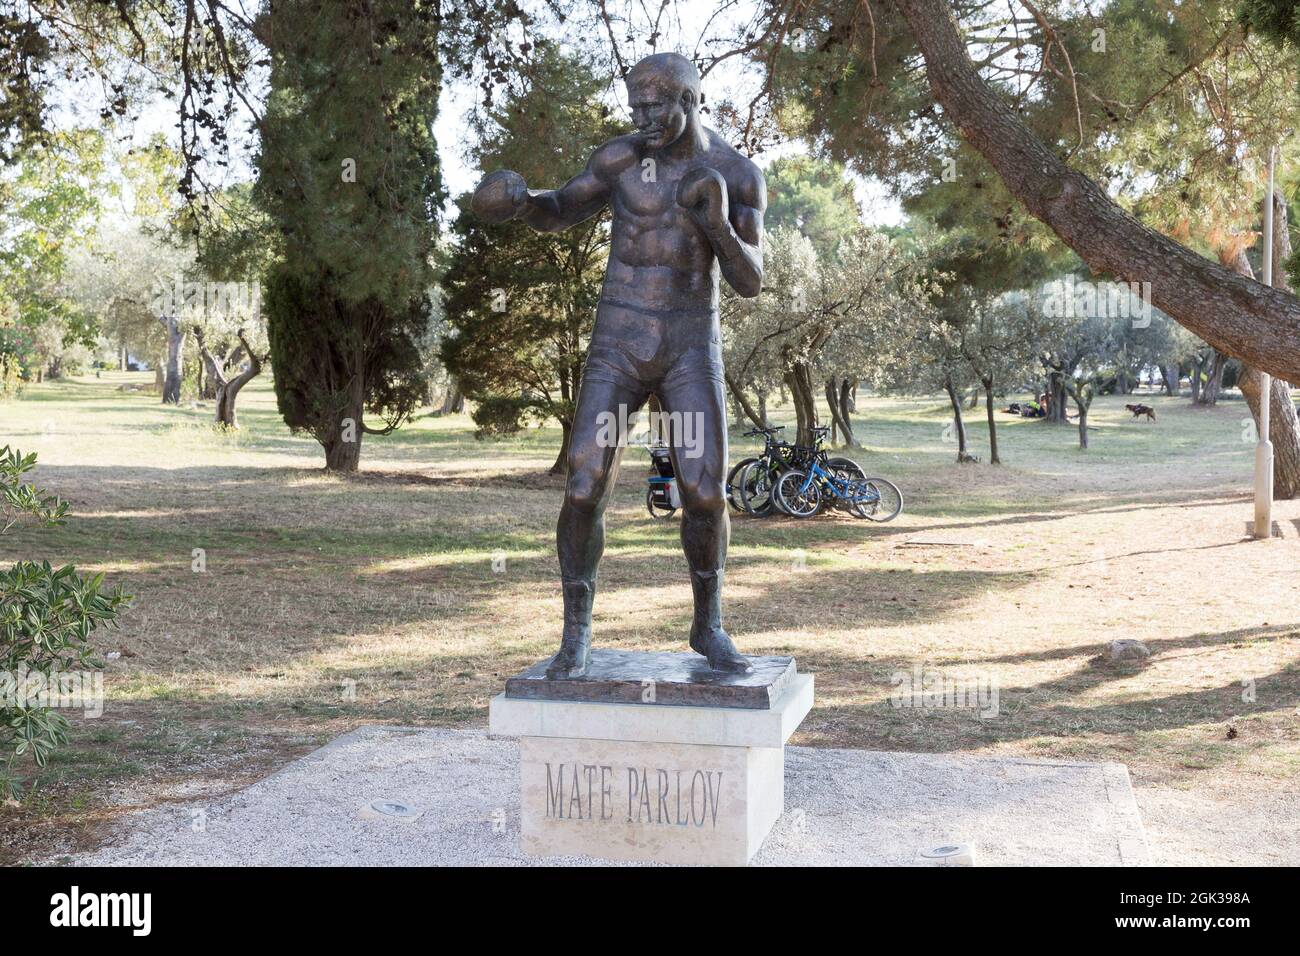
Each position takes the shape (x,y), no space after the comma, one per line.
(652,756)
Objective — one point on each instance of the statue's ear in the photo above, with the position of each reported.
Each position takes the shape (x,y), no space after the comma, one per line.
(688,100)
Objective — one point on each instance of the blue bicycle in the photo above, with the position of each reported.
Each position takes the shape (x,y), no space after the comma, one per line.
(802,491)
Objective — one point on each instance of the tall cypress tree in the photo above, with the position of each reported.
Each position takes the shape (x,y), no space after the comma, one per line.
(521,303)
(349,176)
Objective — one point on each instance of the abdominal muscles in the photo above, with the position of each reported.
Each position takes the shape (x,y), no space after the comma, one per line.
(662,268)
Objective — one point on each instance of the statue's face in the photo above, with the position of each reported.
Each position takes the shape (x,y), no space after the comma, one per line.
(658,111)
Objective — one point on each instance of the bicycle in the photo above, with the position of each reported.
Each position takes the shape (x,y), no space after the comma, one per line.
(739,466)
(756,480)
(802,492)
(735,487)
(757,484)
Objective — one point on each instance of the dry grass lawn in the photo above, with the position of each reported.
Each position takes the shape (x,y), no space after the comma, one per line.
(329,603)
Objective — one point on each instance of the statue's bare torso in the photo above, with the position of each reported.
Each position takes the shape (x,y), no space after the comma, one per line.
(660,258)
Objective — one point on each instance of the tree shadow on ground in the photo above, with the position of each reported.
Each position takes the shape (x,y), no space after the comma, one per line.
(1048,709)
(1156,645)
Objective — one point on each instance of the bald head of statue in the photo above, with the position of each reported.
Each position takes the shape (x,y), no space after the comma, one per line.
(663,93)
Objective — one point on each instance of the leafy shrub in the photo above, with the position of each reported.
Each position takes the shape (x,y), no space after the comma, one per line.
(47,616)
(499,416)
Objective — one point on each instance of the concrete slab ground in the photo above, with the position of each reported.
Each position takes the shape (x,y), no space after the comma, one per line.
(458,789)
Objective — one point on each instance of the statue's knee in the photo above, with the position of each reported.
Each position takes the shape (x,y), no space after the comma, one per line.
(582,494)
(704,497)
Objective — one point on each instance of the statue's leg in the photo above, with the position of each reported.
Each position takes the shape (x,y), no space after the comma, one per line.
(697,411)
(580,534)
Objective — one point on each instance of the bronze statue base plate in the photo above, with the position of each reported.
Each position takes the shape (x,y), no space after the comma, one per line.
(663,678)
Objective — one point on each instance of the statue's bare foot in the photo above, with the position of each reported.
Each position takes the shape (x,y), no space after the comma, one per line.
(572,659)
(715,644)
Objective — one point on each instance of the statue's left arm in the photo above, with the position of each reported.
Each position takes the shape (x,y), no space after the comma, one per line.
(733,223)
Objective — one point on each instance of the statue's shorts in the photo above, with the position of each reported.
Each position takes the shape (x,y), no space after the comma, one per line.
(667,353)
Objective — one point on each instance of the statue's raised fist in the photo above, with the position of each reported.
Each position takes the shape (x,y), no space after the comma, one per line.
(703,192)
(500,196)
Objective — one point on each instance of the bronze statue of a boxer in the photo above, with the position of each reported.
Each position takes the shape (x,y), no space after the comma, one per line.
(686,206)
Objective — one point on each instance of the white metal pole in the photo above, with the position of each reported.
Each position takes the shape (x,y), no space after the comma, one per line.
(1264,447)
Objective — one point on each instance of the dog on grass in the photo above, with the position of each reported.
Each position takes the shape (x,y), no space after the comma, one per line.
(1140,410)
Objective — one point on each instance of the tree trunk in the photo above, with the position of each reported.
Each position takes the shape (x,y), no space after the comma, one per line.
(837,393)
(799,381)
(1283,424)
(832,399)
(1056,396)
(176,333)
(809,398)
(1283,430)
(1213,384)
(343,442)
(1236,315)
(229,394)
(762,406)
(1083,424)
(959,423)
(993,424)
(215,375)
(757,416)
(848,403)
(561,466)
(227,389)
(832,405)
(343,456)
(657,424)
(207,386)
(453,401)
(221,416)
(1283,409)
(1171,374)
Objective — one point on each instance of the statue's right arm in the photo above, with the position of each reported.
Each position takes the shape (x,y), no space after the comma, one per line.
(551,210)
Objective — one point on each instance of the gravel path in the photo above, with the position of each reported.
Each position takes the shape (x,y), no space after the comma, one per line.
(842,807)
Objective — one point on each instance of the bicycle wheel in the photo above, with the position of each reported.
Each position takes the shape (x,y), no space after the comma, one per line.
(733,497)
(799,497)
(886,506)
(843,470)
(657,509)
(774,472)
(755,489)
(848,466)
